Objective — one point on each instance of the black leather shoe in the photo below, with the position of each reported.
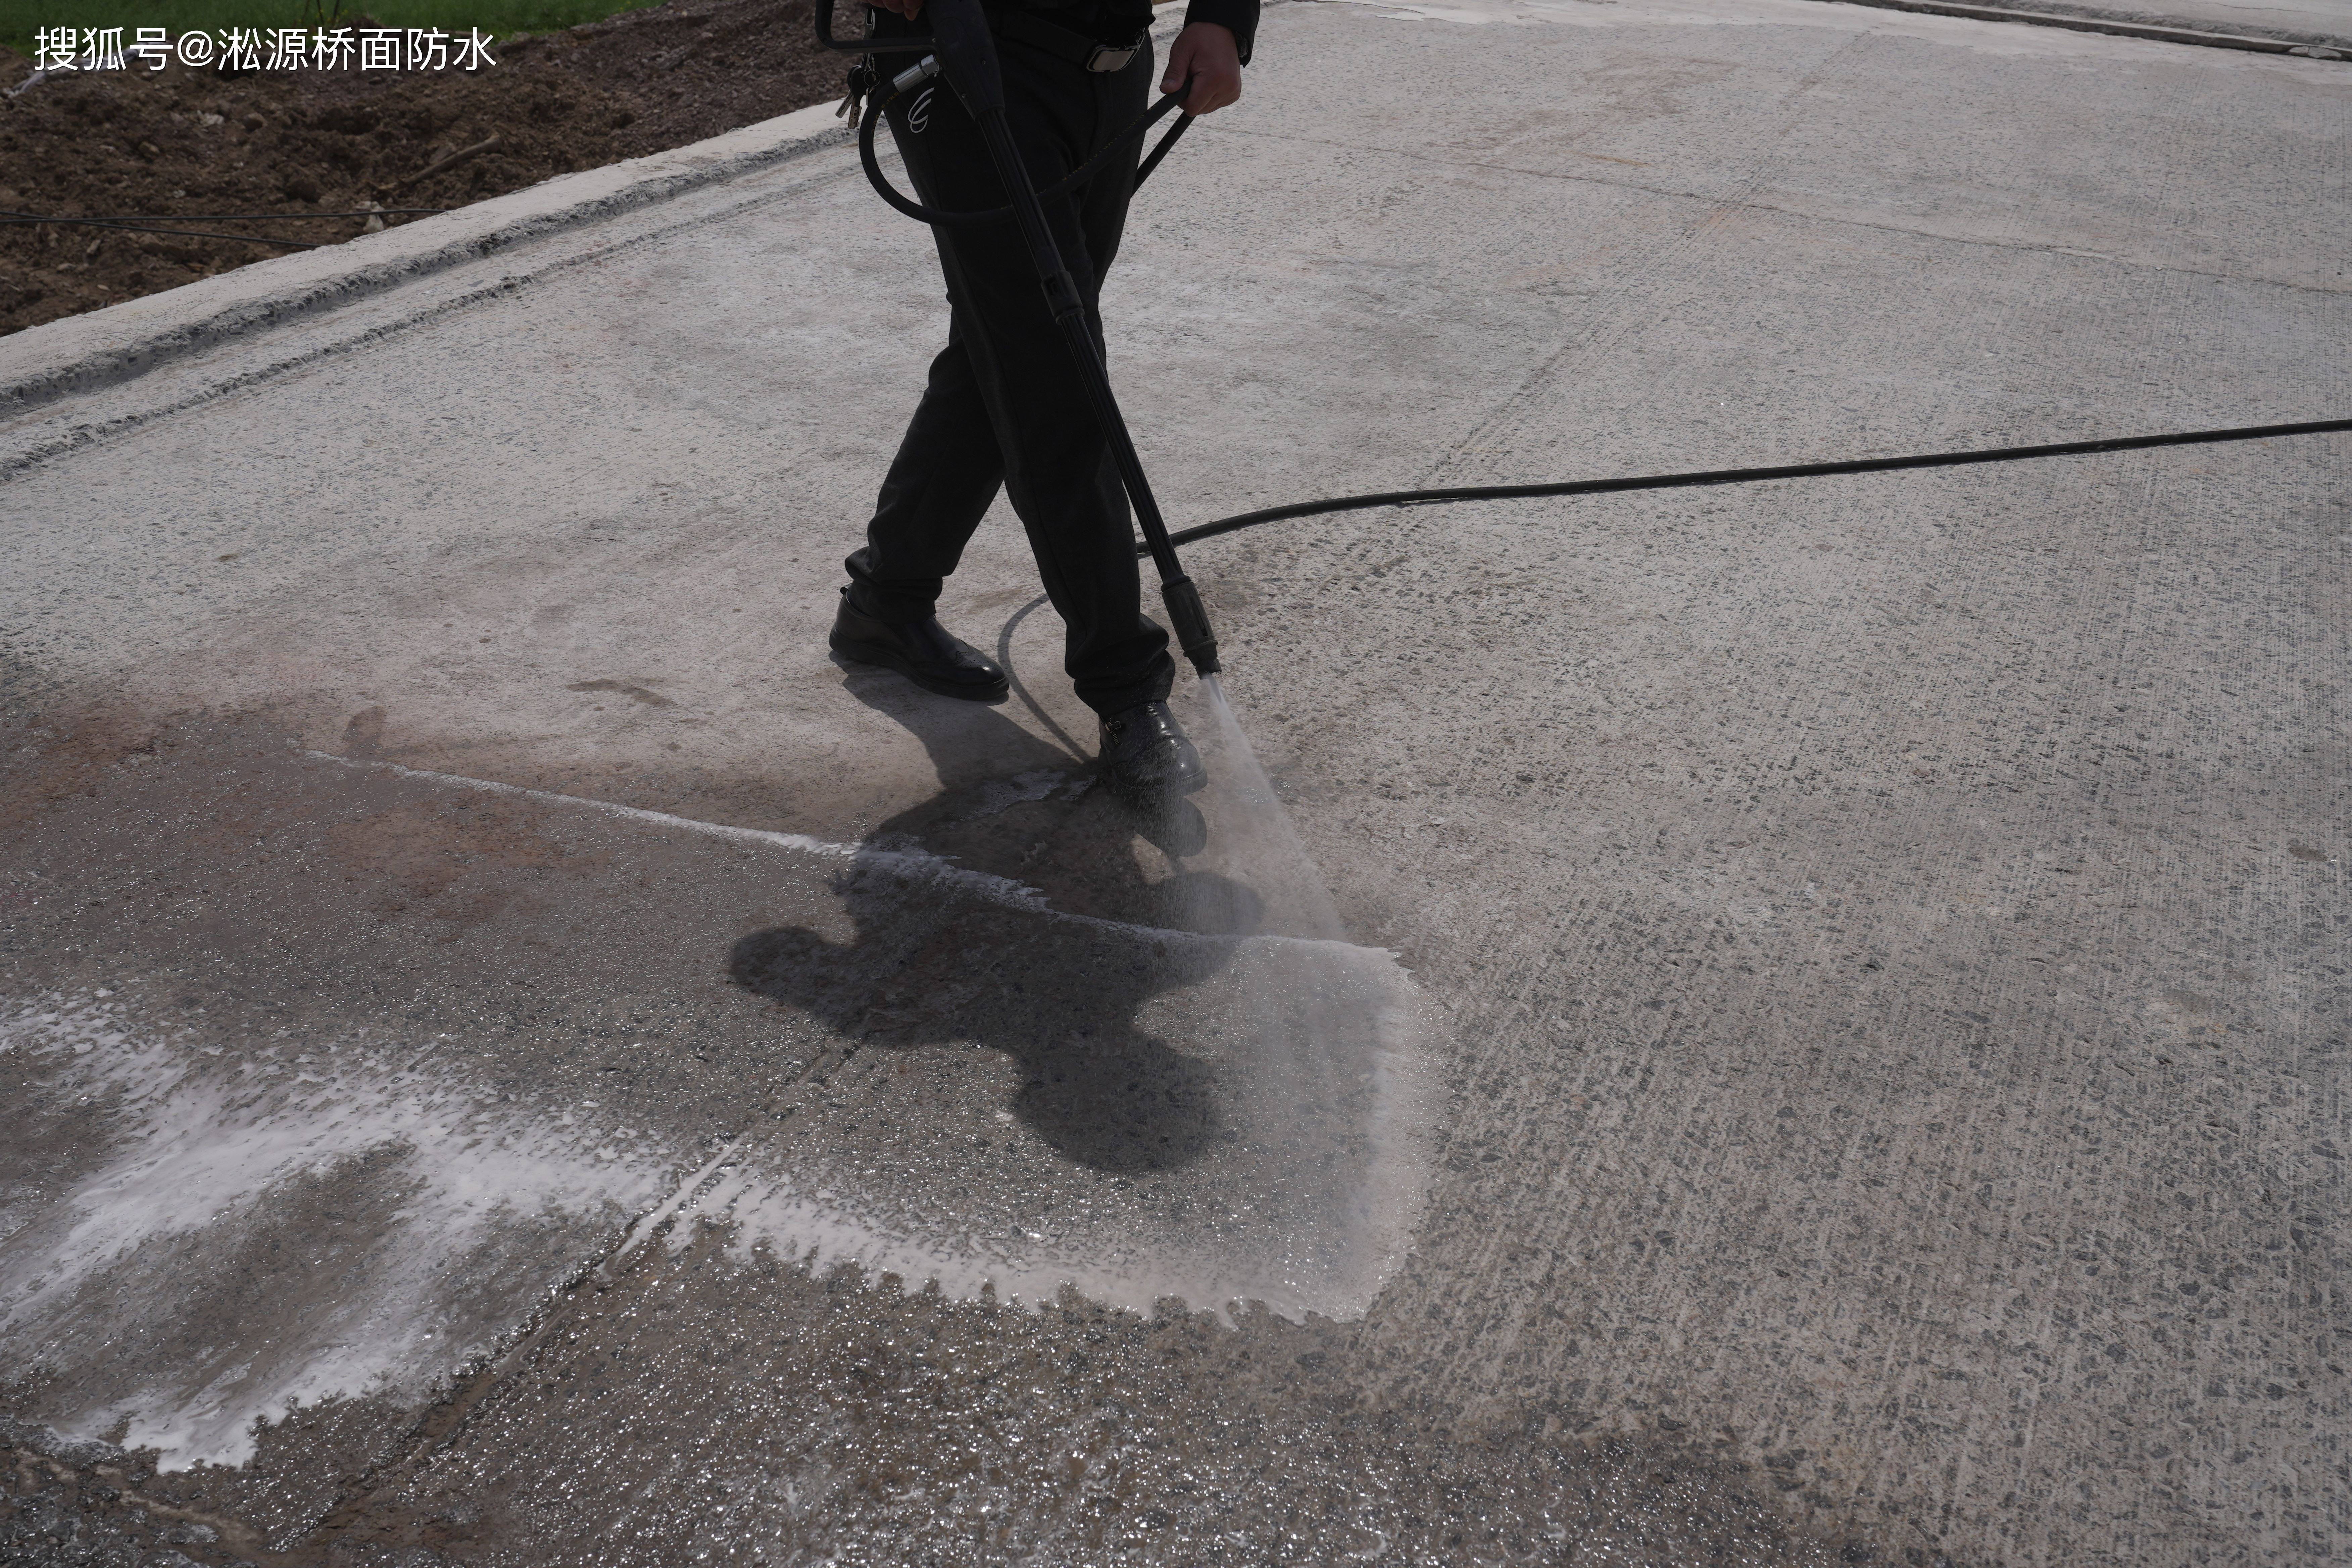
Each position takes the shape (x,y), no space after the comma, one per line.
(1146,757)
(920,651)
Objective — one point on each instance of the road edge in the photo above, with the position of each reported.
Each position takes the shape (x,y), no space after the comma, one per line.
(2311,47)
(116,343)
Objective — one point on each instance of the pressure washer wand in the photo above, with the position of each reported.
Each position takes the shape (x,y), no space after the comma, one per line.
(967,56)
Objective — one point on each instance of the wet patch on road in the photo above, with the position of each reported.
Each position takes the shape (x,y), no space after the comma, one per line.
(343,1082)
(829,1421)
(347,1043)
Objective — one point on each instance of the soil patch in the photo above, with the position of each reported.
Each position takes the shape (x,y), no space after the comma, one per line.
(181,144)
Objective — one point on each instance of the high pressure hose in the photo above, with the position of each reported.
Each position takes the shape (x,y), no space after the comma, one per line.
(1751,476)
(907,80)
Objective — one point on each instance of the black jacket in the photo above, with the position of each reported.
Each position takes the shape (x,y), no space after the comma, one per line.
(1239,16)
(1116,21)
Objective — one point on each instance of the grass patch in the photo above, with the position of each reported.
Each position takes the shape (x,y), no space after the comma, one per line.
(19,19)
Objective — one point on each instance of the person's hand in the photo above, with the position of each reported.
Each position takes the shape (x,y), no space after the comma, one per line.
(1205,53)
(907,8)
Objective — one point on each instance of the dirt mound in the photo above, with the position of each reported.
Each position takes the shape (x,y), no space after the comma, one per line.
(181,143)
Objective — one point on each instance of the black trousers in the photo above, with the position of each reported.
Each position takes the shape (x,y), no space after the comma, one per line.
(1004,404)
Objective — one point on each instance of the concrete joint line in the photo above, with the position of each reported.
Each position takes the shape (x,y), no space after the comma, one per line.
(2332,49)
(108,347)
(673,1208)
(440,1424)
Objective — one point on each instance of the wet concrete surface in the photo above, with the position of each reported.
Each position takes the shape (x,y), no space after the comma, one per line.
(314,932)
(1837,1052)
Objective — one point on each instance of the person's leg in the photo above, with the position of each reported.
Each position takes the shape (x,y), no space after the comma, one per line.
(940,486)
(946,474)
(1119,98)
(1056,464)
(1109,590)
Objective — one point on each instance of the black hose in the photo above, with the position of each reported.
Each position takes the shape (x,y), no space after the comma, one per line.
(1068,182)
(1749,476)
(1176,131)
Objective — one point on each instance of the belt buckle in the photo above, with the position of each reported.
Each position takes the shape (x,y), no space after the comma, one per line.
(1113,57)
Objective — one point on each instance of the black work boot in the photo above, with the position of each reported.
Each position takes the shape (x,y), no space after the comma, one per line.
(920,651)
(1146,757)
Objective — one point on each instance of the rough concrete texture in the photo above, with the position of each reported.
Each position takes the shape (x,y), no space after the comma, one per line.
(485,997)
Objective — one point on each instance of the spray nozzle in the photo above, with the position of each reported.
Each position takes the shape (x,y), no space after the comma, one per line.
(1192,622)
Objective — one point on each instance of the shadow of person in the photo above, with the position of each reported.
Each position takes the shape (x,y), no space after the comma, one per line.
(1050,955)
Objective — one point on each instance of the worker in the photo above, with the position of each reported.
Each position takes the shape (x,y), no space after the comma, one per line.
(1003,405)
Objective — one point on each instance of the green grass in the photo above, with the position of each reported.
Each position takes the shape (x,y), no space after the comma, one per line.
(500,18)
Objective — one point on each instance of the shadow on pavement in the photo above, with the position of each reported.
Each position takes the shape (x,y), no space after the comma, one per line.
(931,961)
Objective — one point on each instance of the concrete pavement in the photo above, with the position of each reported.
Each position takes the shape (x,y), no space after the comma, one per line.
(1839,1051)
